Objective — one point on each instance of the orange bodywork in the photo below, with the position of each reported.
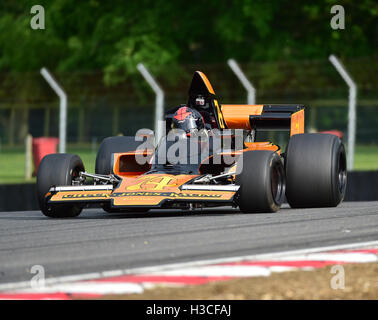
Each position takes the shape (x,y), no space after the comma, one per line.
(152,189)
(262,146)
(146,190)
(297,123)
(125,164)
(236,116)
(206,82)
(63,196)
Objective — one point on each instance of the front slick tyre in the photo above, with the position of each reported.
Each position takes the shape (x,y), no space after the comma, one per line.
(262,182)
(58,170)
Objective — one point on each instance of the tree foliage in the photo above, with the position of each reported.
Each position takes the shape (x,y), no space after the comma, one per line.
(114,36)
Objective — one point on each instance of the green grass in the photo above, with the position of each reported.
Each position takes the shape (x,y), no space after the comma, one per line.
(366,157)
(12,161)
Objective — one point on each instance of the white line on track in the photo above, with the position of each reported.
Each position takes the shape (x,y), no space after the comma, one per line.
(219,271)
(344,257)
(168,267)
(88,287)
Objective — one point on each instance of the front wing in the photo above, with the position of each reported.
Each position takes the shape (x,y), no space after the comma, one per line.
(145,191)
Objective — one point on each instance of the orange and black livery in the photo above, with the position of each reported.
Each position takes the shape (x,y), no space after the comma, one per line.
(236,169)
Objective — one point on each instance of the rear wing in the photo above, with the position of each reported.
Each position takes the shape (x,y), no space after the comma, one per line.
(270,117)
(287,117)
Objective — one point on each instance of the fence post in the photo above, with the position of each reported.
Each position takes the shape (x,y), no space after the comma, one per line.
(251,91)
(351,106)
(159,101)
(62,109)
(28,156)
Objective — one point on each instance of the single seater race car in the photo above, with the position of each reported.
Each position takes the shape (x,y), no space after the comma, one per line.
(227,167)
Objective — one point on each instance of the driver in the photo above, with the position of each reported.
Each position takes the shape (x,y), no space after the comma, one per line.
(189,120)
(185,145)
(190,125)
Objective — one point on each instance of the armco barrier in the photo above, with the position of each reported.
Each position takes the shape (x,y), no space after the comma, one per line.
(362,186)
(17,197)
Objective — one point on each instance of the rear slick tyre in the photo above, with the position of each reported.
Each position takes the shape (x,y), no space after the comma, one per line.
(110,145)
(316,171)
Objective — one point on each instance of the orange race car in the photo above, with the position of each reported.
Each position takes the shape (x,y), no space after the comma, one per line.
(209,157)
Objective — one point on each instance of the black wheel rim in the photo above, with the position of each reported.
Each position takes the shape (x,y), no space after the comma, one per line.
(277,183)
(342,173)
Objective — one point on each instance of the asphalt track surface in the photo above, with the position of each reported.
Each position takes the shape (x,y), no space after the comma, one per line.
(97,241)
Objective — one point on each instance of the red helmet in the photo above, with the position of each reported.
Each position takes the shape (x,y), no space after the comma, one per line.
(187,119)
